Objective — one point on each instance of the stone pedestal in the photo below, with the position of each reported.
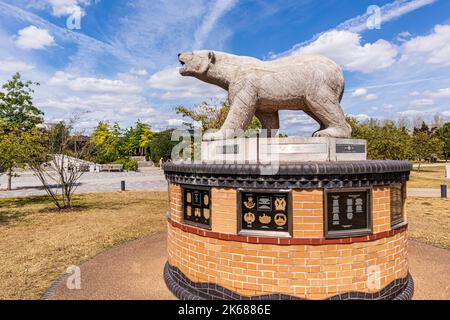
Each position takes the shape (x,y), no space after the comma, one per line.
(310,230)
(293,149)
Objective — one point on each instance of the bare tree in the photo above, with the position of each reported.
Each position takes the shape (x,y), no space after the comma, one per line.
(62,169)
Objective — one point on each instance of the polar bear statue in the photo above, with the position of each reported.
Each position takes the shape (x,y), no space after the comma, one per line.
(311,83)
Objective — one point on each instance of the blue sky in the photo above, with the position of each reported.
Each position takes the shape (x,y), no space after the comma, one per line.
(121,65)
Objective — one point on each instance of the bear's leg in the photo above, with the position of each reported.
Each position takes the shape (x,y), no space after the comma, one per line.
(241,113)
(269,121)
(330,115)
(322,126)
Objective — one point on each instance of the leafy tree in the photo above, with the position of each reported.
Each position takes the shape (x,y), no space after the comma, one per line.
(161,146)
(425,144)
(210,117)
(138,137)
(384,140)
(17,110)
(12,152)
(107,142)
(444,134)
(18,116)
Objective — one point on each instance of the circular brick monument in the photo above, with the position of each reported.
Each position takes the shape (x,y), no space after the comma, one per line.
(284,218)
(312,230)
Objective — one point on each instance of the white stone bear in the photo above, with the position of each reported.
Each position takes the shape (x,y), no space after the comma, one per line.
(311,83)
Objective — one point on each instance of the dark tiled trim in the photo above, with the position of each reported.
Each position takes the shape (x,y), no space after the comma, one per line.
(285,241)
(185,289)
(291,175)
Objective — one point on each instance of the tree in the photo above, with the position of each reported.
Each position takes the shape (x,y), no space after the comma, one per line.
(210,117)
(444,134)
(12,152)
(55,162)
(161,146)
(384,141)
(16,105)
(138,138)
(107,142)
(18,116)
(425,144)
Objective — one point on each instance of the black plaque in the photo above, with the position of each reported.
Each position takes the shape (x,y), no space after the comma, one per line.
(348,212)
(264,211)
(228,149)
(197,206)
(350,148)
(398,197)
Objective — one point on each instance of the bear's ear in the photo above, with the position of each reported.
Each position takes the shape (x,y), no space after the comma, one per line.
(212,57)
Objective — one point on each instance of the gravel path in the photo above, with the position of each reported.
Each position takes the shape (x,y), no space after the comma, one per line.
(27,184)
(135,271)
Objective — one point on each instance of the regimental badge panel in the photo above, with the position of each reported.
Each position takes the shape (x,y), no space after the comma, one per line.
(197,206)
(264,211)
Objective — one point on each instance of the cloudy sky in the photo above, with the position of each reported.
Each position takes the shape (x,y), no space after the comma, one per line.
(116,60)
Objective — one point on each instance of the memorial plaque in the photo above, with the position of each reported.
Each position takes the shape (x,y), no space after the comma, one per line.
(350,148)
(347,212)
(197,206)
(264,211)
(398,197)
(228,149)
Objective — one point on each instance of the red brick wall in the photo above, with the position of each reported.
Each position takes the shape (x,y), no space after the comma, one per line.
(307,271)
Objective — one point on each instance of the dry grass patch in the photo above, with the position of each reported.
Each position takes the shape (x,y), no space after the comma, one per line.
(429,220)
(37,243)
(428,177)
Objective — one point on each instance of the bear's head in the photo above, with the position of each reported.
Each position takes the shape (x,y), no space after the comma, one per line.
(196,63)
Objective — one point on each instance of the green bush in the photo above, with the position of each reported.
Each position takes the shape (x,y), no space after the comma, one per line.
(128,164)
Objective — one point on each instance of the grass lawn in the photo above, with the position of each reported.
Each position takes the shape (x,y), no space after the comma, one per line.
(428,177)
(37,243)
(429,220)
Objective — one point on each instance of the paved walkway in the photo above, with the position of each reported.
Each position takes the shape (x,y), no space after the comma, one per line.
(424,192)
(27,184)
(134,271)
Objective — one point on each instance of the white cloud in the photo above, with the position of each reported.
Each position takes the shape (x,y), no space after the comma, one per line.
(441,93)
(346,49)
(360,117)
(422,102)
(411,113)
(432,49)
(358,24)
(85,84)
(389,12)
(363,94)
(12,66)
(174,86)
(359,92)
(34,38)
(414,94)
(139,72)
(174,122)
(68,7)
(371,97)
(403,36)
(219,8)
(297,118)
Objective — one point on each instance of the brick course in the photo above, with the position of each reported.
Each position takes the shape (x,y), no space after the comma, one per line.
(306,266)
